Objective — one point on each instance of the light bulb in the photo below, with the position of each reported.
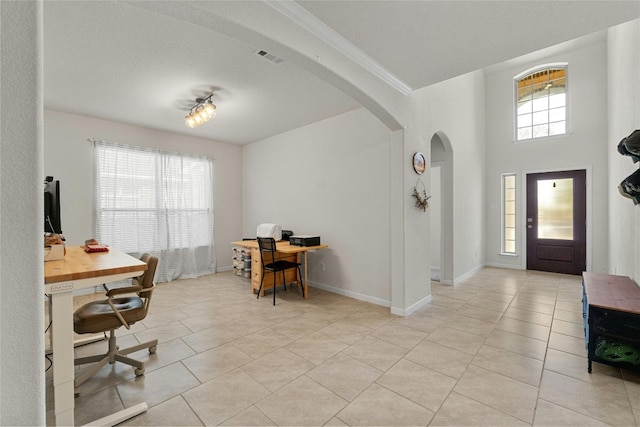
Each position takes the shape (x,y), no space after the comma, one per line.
(210,109)
(200,114)
(207,111)
(203,113)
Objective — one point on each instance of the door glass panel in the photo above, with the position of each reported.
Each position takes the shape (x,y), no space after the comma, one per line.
(555,209)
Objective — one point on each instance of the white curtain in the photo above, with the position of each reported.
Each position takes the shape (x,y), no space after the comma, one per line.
(156,202)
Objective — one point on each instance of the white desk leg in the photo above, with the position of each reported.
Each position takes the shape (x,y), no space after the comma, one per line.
(62,337)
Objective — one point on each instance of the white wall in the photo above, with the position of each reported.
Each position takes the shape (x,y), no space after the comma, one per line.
(415,286)
(624,118)
(330,178)
(22,396)
(455,108)
(584,147)
(435,206)
(68,157)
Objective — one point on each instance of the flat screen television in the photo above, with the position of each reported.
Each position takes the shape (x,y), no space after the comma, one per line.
(52,222)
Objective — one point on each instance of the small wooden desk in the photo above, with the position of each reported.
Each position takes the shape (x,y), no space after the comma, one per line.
(284,248)
(80,270)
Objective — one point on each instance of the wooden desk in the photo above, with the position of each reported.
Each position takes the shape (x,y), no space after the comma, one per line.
(80,270)
(284,250)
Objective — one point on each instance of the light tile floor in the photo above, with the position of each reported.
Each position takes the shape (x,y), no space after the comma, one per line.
(505,347)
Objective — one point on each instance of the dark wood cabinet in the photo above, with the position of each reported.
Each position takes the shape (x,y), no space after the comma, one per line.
(611,311)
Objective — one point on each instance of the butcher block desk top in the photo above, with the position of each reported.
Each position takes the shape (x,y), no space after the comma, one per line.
(77,265)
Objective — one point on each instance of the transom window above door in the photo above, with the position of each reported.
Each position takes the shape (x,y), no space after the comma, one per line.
(541,102)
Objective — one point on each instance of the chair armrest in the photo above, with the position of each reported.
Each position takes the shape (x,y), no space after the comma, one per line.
(125,290)
(120,291)
(144,291)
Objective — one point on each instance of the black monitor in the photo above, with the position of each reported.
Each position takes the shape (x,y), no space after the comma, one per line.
(52,223)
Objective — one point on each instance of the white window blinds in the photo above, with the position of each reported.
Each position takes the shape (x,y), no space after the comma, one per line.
(156,202)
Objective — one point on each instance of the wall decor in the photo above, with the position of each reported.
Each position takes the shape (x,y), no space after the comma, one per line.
(419,163)
(422,200)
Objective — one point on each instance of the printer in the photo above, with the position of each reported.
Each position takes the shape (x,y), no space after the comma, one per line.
(304,240)
(270,230)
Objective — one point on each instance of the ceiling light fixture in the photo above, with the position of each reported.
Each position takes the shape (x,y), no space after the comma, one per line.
(201,113)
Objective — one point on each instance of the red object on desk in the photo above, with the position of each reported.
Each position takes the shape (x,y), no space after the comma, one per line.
(96,248)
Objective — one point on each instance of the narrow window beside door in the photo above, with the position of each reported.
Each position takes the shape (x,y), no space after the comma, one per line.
(509,213)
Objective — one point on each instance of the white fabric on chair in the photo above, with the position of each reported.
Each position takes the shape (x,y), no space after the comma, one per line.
(270,230)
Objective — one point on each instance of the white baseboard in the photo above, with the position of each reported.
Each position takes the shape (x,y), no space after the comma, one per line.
(378,301)
(509,266)
(468,273)
(407,311)
(351,294)
(435,274)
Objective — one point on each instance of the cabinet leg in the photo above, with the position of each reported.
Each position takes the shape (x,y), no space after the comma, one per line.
(589,366)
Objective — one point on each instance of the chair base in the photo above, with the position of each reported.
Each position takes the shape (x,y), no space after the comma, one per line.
(113,354)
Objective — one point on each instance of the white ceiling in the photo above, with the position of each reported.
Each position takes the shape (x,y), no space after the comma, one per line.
(144,63)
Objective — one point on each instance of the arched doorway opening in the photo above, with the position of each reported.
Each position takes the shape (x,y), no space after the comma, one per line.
(442,208)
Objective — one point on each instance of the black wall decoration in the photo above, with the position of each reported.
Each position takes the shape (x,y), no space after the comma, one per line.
(630,186)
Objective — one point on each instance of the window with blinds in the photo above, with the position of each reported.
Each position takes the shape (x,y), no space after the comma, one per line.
(541,102)
(158,202)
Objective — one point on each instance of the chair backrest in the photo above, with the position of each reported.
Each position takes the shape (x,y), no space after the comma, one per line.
(267,249)
(146,279)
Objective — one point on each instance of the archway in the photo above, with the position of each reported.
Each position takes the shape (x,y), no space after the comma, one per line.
(442,220)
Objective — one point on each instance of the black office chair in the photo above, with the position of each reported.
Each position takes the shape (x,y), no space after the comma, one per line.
(112,313)
(269,263)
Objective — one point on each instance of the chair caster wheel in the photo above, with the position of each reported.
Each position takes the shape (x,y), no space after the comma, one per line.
(139,372)
(153,349)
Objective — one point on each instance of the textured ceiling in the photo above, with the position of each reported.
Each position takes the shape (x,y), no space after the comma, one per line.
(144,63)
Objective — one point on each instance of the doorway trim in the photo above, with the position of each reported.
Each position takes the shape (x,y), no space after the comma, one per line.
(523,211)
